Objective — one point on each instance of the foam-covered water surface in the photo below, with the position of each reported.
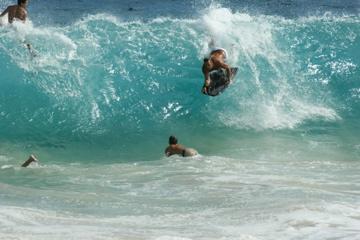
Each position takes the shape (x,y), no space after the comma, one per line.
(198,198)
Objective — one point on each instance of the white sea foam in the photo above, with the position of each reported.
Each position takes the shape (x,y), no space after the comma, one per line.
(274,101)
(175,198)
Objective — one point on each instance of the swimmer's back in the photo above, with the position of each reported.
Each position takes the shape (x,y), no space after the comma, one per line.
(16,12)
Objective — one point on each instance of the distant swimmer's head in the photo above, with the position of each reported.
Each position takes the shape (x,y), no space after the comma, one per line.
(22,2)
(173,140)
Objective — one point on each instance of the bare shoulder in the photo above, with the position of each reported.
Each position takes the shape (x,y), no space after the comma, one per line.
(13,7)
(21,14)
(23,10)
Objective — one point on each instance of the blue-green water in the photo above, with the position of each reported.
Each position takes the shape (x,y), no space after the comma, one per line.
(280,149)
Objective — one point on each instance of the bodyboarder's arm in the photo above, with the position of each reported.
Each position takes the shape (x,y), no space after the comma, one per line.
(206,81)
(4,12)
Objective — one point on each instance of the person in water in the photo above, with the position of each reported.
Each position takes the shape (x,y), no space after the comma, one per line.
(215,60)
(31,159)
(175,148)
(16,11)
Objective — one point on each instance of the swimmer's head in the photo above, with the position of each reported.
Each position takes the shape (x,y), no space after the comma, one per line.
(172,140)
(22,2)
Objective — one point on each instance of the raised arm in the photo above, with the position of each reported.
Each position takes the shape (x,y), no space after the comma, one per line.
(31,159)
(206,73)
(4,12)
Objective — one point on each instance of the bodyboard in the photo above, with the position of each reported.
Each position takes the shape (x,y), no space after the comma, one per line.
(219,81)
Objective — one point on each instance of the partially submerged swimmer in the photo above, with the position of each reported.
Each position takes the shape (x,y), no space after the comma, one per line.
(31,159)
(16,11)
(175,148)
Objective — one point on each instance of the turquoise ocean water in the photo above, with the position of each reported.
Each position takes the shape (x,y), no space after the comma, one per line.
(280,149)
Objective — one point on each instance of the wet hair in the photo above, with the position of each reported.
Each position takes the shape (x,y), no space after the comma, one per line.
(172,140)
(206,59)
(22,2)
